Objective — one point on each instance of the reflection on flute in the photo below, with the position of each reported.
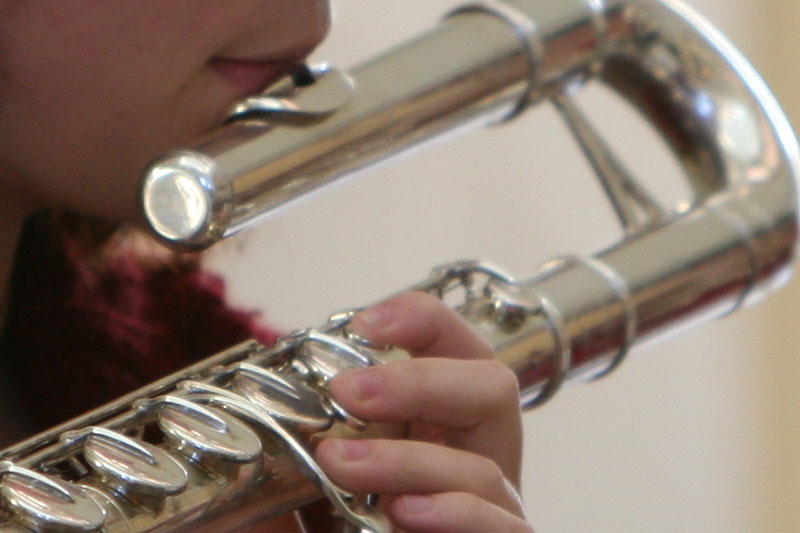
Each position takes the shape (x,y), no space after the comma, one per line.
(233,432)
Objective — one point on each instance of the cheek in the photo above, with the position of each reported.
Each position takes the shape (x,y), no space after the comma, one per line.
(84,106)
(96,89)
(79,138)
(87,155)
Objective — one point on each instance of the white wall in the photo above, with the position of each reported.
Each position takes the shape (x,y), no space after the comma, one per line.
(701,433)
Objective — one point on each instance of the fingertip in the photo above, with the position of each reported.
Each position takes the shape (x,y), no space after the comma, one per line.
(326,451)
(426,326)
(407,320)
(412,505)
(375,322)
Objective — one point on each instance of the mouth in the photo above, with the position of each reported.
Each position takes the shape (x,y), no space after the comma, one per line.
(249,76)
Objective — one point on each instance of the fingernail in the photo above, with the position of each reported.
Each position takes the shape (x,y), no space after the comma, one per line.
(351,450)
(417,504)
(364,383)
(372,319)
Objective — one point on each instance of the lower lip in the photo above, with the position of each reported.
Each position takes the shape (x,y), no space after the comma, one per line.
(248,76)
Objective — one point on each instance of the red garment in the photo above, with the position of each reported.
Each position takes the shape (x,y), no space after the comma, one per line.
(78,335)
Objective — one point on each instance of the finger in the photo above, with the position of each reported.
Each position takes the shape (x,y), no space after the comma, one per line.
(421,324)
(411,467)
(476,402)
(444,392)
(449,512)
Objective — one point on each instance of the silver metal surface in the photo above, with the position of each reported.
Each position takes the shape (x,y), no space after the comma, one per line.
(285,398)
(635,207)
(437,82)
(309,96)
(47,504)
(203,434)
(132,467)
(241,425)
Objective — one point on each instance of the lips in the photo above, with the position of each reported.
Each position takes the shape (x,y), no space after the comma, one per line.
(249,76)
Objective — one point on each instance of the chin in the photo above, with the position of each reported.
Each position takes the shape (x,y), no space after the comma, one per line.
(108,205)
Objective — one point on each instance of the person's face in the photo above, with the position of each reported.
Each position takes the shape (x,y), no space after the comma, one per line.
(92,90)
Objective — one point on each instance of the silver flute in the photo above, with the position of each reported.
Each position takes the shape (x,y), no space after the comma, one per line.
(227,443)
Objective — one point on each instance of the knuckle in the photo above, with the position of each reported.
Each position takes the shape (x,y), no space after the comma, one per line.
(387,455)
(431,310)
(491,475)
(503,381)
(478,348)
(463,511)
(428,300)
(412,386)
(520,526)
(460,508)
(422,304)
(425,388)
(498,487)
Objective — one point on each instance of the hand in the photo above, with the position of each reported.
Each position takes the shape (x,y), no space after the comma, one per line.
(459,469)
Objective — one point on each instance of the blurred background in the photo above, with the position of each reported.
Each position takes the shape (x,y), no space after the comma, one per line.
(698,433)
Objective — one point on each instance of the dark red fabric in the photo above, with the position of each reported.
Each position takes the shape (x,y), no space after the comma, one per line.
(79,334)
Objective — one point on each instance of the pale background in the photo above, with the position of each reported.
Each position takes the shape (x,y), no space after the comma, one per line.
(698,434)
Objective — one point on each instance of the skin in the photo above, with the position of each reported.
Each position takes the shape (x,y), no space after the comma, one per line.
(459,470)
(96,88)
(92,90)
